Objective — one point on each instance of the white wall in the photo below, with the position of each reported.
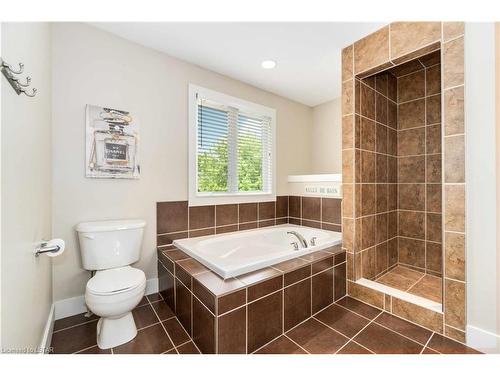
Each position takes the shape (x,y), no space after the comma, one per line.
(326,138)
(26,281)
(482,272)
(93,67)
(0,198)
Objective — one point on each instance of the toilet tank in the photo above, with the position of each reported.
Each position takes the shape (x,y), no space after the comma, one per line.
(110,244)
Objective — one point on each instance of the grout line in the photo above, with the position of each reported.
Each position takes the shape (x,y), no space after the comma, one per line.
(416,50)
(289,338)
(216,227)
(77,325)
(443,186)
(150,325)
(362,82)
(453,39)
(454,87)
(397,316)
(86,348)
(267,343)
(348,342)
(373,321)
(157,317)
(361,330)
(427,343)
(333,329)
(420,98)
(420,69)
(275,291)
(454,135)
(408,290)
(455,280)
(406,337)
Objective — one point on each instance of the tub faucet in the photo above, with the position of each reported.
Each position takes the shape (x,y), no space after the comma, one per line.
(300,237)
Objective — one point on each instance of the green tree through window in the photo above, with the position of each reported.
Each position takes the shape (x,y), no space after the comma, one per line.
(213,166)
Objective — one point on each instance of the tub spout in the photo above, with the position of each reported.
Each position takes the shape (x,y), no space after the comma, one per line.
(300,237)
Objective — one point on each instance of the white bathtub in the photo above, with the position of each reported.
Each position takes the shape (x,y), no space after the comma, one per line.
(237,253)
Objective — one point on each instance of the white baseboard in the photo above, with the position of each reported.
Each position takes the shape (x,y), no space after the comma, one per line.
(152,286)
(47,332)
(484,341)
(76,305)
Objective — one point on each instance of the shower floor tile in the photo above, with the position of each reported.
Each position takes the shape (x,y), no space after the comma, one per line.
(429,287)
(414,282)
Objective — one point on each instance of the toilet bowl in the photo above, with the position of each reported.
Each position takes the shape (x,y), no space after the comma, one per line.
(109,248)
(112,294)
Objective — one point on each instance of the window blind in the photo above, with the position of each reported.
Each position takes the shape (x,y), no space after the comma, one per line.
(233,150)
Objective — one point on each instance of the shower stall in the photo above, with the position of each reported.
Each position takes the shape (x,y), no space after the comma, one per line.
(397,126)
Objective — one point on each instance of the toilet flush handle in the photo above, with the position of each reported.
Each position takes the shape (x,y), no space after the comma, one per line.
(89,236)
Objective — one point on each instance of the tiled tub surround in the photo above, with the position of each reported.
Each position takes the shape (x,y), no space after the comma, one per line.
(316,212)
(175,220)
(393,45)
(240,315)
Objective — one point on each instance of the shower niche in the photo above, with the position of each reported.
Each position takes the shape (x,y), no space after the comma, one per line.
(398,180)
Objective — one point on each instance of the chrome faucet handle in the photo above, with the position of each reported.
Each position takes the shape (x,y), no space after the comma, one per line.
(295,245)
(313,241)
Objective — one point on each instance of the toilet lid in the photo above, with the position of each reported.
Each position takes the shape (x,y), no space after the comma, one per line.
(115,280)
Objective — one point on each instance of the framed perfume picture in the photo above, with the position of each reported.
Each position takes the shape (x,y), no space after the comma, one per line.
(112,143)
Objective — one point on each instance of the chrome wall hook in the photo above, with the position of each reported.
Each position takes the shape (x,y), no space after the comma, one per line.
(23,90)
(18,86)
(9,68)
(28,81)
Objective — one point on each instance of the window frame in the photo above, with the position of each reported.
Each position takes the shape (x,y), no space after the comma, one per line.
(204,199)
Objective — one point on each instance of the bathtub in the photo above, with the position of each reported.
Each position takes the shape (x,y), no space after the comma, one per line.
(237,253)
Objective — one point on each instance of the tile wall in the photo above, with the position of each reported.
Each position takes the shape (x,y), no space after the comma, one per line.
(397,135)
(375,178)
(388,47)
(419,163)
(175,220)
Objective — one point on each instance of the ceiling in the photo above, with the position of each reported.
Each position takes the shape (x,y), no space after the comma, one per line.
(307,54)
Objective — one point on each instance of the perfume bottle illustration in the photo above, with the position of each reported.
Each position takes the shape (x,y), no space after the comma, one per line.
(114,147)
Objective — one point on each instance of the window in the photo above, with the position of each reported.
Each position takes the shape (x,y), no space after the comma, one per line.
(231,149)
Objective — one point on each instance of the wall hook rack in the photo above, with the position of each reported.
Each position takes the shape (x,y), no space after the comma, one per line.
(11,75)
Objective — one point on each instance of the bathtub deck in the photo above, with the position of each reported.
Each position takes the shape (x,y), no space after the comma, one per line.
(345,327)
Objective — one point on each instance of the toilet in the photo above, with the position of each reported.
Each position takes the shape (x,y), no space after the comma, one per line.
(109,248)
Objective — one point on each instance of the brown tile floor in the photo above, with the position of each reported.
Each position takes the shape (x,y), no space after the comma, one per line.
(353,327)
(414,282)
(159,331)
(346,327)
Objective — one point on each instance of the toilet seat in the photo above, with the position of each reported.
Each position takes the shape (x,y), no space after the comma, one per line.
(115,281)
(112,294)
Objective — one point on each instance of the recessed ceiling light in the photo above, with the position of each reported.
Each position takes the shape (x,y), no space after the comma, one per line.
(268,64)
